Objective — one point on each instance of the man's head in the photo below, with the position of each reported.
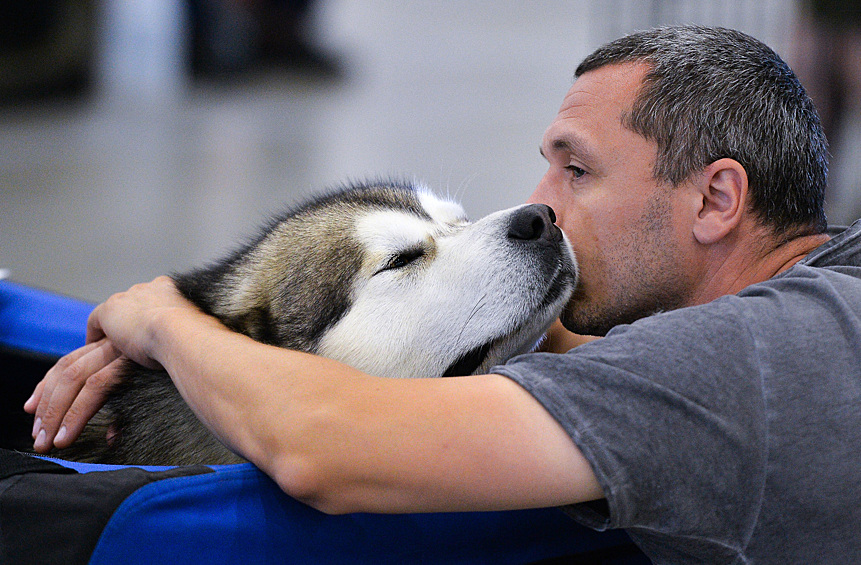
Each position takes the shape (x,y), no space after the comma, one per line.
(714,92)
(670,145)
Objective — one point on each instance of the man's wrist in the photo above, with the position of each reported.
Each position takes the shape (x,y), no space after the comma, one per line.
(175,326)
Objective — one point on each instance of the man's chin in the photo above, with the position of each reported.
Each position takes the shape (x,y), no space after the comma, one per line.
(576,321)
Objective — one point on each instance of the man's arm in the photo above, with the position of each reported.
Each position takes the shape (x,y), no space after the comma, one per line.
(332,436)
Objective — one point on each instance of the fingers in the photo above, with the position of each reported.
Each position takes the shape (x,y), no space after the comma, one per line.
(94,328)
(36,398)
(33,401)
(71,392)
(89,401)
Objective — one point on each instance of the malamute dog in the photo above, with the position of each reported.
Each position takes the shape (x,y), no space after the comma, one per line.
(383,276)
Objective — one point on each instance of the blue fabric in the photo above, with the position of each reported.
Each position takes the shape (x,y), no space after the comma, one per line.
(40,322)
(238,515)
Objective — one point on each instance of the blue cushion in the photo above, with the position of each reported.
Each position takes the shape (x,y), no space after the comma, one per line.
(40,322)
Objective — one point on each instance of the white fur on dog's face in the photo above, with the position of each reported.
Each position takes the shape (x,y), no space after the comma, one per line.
(430,291)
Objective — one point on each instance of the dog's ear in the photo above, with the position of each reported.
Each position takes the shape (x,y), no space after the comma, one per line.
(722,193)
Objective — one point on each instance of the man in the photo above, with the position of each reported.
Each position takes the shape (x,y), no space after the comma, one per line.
(718,419)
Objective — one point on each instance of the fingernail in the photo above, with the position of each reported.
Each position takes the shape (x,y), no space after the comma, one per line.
(37,425)
(29,401)
(60,435)
(41,439)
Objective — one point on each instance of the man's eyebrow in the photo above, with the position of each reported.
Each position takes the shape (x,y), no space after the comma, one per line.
(570,144)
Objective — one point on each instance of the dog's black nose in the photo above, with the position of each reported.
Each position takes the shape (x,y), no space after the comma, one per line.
(534,222)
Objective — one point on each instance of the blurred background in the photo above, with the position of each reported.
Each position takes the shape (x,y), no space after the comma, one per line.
(141,137)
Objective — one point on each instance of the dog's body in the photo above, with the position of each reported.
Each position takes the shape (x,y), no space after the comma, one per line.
(384,277)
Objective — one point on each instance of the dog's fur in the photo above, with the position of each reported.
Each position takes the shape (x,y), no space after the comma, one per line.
(383,276)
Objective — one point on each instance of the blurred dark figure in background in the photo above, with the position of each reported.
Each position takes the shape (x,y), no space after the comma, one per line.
(230,36)
(829,66)
(46,48)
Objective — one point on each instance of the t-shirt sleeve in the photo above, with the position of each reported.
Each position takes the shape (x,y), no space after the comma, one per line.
(671,417)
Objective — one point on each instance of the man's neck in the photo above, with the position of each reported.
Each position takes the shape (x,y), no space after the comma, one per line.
(795,250)
(743,266)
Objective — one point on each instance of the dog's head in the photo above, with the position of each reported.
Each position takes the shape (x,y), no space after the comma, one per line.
(397,282)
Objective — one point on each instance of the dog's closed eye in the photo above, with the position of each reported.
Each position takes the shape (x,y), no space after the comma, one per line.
(402,259)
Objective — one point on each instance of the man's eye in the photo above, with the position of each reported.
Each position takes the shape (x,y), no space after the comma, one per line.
(575,171)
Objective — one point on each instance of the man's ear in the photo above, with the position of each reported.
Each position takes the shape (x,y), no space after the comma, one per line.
(723,193)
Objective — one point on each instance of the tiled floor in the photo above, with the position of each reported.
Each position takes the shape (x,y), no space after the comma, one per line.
(100,195)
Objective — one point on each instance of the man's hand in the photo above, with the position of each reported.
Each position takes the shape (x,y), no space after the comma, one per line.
(76,387)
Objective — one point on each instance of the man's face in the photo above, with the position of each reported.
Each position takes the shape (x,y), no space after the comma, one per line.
(623,224)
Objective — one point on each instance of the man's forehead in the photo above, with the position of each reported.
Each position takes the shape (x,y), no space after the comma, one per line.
(597,100)
(611,85)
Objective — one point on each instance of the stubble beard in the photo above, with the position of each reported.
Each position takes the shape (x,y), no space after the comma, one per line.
(586,318)
(646,274)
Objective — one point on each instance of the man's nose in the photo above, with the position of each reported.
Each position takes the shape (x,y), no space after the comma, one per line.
(544,191)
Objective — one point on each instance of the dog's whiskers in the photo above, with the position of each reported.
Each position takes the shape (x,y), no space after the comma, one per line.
(475,309)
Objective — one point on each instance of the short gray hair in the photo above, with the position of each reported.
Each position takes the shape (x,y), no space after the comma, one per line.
(712,93)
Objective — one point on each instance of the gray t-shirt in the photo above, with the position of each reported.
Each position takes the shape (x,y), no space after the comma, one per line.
(728,432)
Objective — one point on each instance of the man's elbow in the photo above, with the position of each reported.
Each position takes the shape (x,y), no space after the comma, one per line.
(305,480)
